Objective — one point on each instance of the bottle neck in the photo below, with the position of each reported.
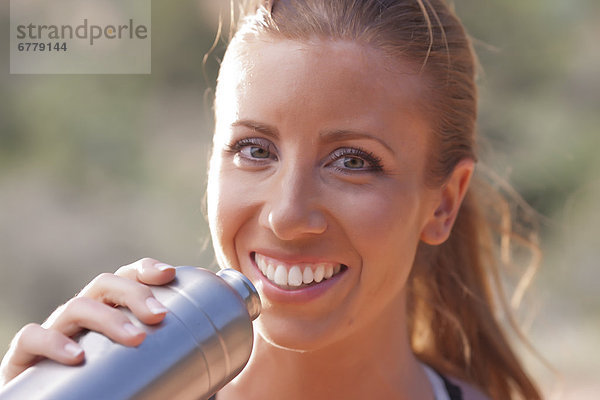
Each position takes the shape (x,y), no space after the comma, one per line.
(242,285)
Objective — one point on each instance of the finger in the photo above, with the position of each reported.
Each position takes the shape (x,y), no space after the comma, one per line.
(148,271)
(115,290)
(33,342)
(86,313)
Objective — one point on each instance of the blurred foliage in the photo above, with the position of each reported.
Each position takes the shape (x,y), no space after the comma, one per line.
(539,99)
(99,170)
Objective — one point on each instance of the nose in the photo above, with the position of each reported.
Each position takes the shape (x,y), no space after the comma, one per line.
(292,209)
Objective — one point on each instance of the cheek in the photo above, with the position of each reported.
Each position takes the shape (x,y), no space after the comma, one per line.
(381,216)
(230,205)
(384,227)
(221,214)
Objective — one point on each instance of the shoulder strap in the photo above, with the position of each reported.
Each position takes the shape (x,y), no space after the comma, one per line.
(454,391)
(443,389)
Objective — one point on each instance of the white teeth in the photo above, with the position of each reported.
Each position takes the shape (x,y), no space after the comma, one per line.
(281,276)
(271,272)
(307,275)
(328,272)
(295,276)
(319,272)
(260,263)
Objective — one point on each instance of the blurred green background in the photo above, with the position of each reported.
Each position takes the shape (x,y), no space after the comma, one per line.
(97,171)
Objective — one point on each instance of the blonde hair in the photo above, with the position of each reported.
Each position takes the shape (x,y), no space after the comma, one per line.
(455,288)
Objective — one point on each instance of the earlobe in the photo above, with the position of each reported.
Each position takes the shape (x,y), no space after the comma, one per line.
(451,194)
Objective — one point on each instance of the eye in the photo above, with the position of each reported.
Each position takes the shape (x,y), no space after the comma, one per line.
(351,159)
(253,149)
(255,152)
(353,162)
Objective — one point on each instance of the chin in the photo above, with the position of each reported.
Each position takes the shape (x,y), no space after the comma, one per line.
(294,335)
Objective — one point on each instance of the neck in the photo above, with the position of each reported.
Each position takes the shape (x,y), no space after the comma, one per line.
(373,362)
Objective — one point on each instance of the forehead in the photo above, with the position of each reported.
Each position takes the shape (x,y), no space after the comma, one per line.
(336,82)
(349,62)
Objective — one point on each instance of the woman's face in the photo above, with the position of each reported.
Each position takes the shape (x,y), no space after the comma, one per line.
(316,185)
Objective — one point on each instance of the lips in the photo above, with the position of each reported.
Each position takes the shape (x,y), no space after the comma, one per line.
(296,275)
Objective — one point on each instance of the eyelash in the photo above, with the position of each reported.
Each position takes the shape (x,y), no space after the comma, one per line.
(374,162)
(237,147)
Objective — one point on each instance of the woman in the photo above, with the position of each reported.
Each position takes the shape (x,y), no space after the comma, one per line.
(339,184)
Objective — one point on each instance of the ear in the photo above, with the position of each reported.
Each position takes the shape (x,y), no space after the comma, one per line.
(451,194)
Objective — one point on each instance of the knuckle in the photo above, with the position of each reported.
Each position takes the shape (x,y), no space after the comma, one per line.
(80,311)
(53,335)
(74,305)
(29,328)
(142,290)
(99,281)
(116,314)
(110,315)
(21,338)
(133,267)
(103,277)
(123,270)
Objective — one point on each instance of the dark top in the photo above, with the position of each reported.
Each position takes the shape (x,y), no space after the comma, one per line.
(454,391)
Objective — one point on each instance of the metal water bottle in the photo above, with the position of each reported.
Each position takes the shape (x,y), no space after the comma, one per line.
(204,341)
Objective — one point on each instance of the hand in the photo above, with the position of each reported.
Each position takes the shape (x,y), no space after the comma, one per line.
(93,308)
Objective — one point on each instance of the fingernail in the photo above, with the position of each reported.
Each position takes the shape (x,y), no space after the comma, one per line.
(154,306)
(163,266)
(132,330)
(73,349)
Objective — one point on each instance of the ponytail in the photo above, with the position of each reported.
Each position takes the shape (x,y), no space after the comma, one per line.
(454,294)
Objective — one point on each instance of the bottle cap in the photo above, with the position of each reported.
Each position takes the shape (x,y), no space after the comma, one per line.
(242,285)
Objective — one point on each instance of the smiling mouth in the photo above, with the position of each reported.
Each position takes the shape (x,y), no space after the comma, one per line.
(296,276)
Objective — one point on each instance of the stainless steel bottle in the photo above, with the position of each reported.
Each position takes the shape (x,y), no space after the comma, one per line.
(204,341)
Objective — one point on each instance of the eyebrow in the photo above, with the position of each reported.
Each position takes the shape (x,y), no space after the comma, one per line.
(346,134)
(265,129)
(326,136)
